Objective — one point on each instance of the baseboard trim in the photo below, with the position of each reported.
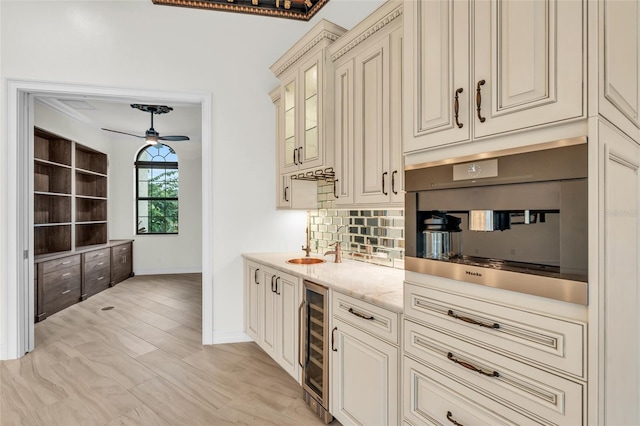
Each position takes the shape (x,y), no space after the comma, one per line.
(167,271)
(220,337)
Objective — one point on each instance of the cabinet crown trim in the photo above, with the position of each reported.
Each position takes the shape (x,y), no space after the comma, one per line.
(324,35)
(377,26)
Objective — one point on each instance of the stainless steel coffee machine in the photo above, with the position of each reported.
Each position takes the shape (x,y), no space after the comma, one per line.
(514,219)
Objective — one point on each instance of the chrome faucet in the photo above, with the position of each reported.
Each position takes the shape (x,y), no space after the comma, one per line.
(337,252)
(307,249)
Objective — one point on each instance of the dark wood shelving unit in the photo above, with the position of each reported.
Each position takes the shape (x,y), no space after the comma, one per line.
(74,258)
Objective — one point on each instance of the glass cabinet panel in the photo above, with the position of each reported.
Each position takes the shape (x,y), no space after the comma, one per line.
(310,150)
(289,123)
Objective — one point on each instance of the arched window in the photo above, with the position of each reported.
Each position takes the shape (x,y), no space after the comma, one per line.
(157,190)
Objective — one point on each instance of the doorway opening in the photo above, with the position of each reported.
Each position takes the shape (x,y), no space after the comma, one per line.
(17,290)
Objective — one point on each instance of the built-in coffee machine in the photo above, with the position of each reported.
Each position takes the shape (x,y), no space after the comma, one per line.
(514,219)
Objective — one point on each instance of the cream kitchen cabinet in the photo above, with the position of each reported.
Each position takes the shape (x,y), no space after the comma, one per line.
(253,299)
(618,36)
(520,364)
(614,292)
(271,313)
(477,69)
(368,130)
(364,363)
(304,104)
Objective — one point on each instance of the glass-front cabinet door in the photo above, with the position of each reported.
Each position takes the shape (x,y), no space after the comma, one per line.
(310,146)
(289,160)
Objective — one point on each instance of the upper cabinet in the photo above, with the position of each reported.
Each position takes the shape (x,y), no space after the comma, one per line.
(305,101)
(619,84)
(368,111)
(477,69)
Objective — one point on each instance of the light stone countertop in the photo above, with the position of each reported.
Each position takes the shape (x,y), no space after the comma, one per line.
(379,285)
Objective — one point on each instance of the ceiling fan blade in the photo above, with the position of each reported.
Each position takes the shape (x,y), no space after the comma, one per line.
(124,133)
(174,138)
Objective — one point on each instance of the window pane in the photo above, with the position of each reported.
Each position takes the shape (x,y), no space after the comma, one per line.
(158,215)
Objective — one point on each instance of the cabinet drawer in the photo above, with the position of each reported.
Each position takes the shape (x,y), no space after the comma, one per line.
(97,264)
(60,279)
(549,342)
(97,280)
(61,289)
(57,264)
(94,255)
(121,249)
(374,319)
(434,399)
(521,387)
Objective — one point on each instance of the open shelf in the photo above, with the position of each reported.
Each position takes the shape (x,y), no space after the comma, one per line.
(91,160)
(91,210)
(70,194)
(51,178)
(50,147)
(91,185)
(52,239)
(51,209)
(88,234)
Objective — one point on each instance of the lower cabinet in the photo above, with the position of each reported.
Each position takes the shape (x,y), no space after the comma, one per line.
(121,262)
(62,280)
(364,363)
(471,361)
(59,285)
(96,271)
(271,313)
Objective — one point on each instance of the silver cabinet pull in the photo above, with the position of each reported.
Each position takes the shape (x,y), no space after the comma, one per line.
(66,291)
(66,262)
(66,274)
(101,263)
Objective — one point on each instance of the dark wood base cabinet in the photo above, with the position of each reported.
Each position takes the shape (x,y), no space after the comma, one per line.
(64,279)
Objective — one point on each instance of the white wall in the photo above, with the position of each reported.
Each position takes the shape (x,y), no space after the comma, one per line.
(135,44)
(158,254)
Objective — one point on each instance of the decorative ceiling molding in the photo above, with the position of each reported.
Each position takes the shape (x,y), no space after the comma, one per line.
(371,31)
(292,9)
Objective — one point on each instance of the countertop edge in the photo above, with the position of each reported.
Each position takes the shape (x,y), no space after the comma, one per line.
(327,274)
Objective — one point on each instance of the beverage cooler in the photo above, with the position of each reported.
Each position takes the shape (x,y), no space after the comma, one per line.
(314,350)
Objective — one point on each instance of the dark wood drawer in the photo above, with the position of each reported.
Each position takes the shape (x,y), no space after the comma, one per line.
(97,264)
(57,281)
(94,255)
(97,280)
(57,264)
(61,289)
(121,249)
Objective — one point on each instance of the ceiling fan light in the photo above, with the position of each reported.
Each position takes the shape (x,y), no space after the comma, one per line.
(151,139)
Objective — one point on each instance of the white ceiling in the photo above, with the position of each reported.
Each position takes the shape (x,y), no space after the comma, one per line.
(117,114)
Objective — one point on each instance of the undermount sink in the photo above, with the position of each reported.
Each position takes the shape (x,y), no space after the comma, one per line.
(305,261)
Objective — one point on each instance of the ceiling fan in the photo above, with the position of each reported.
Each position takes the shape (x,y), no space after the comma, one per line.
(151,136)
